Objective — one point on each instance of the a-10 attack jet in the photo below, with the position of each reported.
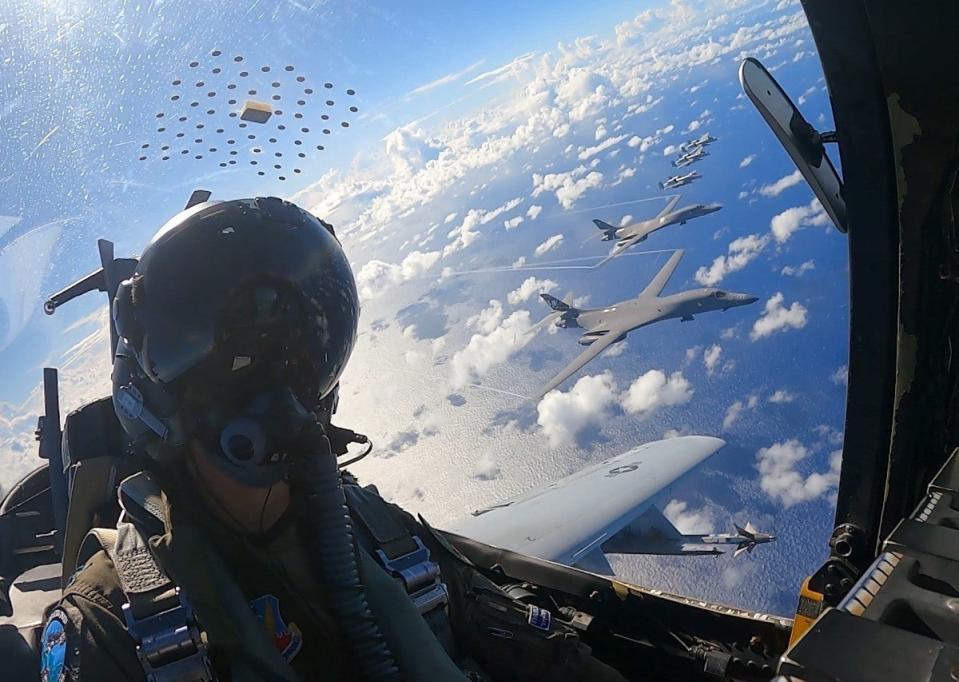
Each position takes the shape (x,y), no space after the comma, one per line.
(675,181)
(606,326)
(690,157)
(637,232)
(700,141)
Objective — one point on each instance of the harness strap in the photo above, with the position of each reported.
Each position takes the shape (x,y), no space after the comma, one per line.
(400,552)
(158,616)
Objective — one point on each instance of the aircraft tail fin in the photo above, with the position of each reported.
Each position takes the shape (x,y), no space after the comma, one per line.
(605,227)
(556,304)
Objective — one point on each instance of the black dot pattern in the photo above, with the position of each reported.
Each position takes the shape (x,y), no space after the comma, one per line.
(213,78)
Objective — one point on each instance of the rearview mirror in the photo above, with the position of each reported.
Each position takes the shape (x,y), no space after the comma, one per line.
(803,142)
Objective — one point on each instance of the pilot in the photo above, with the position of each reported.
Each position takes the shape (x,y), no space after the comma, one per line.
(243,552)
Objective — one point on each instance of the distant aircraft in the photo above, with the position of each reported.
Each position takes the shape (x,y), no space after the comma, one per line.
(700,141)
(606,508)
(675,181)
(692,156)
(606,326)
(637,232)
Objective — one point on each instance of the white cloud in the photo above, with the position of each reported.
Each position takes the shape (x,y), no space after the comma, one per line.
(693,125)
(616,349)
(781,396)
(501,73)
(747,160)
(464,235)
(798,270)
(780,480)
(776,318)
(489,348)
(548,245)
(741,252)
(519,262)
(803,97)
(774,189)
(569,187)
(513,223)
(711,357)
(530,287)
(488,319)
(829,434)
(602,146)
(784,224)
(486,468)
(732,414)
(669,149)
(653,390)
(377,276)
(689,521)
(562,415)
(728,333)
(533,212)
(450,218)
(841,376)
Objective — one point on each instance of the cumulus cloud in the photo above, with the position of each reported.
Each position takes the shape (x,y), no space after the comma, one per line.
(563,415)
(711,357)
(602,146)
(774,189)
(670,149)
(486,468)
(777,318)
(734,411)
(780,480)
(377,276)
(519,262)
(741,252)
(841,376)
(569,187)
(781,396)
(464,235)
(798,270)
(653,390)
(533,212)
(492,345)
(513,223)
(784,224)
(689,521)
(548,245)
(530,287)
(747,160)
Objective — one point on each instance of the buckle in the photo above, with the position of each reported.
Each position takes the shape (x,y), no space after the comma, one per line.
(168,644)
(419,576)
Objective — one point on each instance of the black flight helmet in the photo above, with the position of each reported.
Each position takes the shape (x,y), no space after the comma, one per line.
(235,326)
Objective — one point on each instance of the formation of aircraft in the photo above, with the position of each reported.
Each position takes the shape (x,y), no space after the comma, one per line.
(674,181)
(631,234)
(606,326)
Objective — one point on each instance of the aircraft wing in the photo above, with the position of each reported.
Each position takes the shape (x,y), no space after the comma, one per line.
(621,246)
(567,521)
(658,282)
(670,205)
(592,350)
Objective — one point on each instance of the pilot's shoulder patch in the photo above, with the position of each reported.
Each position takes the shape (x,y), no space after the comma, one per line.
(53,648)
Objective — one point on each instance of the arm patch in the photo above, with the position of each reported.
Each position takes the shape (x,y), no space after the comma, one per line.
(53,648)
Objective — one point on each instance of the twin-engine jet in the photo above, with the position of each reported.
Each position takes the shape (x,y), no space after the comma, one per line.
(606,326)
(634,233)
(700,141)
(675,181)
(689,157)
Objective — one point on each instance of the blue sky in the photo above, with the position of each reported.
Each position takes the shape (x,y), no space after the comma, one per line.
(483,134)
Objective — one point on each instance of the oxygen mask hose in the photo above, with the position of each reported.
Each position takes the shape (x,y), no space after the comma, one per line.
(326,531)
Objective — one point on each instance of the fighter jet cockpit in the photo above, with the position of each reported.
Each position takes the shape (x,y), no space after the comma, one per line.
(638,432)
